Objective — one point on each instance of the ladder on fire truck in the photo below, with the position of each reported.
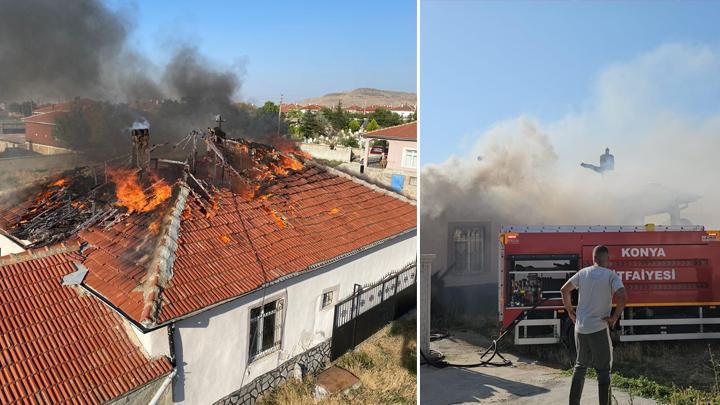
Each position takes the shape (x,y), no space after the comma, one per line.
(695,317)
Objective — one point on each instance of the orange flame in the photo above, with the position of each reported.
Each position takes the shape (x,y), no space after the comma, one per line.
(334,211)
(225,239)
(277,217)
(59,183)
(290,162)
(154,227)
(130,194)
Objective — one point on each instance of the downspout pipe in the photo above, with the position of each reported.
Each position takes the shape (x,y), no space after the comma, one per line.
(168,380)
(154,400)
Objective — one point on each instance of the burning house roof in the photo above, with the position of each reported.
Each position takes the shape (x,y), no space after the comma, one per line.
(164,242)
(59,344)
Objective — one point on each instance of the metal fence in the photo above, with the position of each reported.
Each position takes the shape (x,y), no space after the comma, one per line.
(371,307)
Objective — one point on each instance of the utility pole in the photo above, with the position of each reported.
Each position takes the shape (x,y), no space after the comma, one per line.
(279,115)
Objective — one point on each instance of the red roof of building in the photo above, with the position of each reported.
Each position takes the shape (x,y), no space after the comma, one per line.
(47,118)
(404,132)
(198,249)
(58,343)
(308,217)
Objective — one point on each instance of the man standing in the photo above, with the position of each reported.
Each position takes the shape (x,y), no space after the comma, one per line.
(597,285)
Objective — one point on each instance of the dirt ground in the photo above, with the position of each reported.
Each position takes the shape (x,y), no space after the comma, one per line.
(385,364)
(525,382)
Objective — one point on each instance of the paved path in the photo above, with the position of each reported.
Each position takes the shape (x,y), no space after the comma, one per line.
(524,383)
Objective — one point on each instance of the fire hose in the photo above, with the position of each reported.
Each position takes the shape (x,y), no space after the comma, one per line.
(492,350)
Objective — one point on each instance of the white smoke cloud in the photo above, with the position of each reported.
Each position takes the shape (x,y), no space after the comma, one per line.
(660,115)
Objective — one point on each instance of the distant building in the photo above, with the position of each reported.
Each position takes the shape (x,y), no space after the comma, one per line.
(39,129)
(404,111)
(402,151)
(397,164)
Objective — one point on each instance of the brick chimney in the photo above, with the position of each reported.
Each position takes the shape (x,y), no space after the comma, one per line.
(140,148)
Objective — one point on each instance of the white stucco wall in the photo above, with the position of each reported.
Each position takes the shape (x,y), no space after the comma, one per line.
(155,343)
(212,347)
(7,246)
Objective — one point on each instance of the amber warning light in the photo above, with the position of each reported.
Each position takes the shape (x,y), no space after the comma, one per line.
(711,236)
(509,237)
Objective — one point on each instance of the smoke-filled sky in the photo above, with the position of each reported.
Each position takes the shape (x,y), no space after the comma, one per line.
(484,62)
(249,51)
(299,48)
(554,88)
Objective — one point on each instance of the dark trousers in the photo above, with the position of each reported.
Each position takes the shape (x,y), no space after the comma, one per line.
(593,350)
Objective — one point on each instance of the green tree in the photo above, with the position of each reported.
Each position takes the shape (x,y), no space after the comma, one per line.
(385,118)
(310,125)
(269,108)
(354,125)
(336,117)
(350,141)
(97,128)
(25,108)
(372,125)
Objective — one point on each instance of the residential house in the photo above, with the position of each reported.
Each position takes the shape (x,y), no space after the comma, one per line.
(39,128)
(237,291)
(397,165)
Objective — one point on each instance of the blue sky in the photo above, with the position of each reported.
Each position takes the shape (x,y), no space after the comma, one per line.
(486,62)
(298,48)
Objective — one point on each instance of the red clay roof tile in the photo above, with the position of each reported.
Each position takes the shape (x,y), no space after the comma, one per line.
(54,341)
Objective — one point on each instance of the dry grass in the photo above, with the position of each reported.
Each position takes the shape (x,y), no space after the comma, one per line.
(385,365)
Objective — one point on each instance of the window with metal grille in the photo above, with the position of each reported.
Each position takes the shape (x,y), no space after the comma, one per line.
(265,328)
(327,299)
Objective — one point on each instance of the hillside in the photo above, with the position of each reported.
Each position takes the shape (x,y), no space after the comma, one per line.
(364,96)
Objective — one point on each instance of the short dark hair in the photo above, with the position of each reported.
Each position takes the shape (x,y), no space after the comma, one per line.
(600,249)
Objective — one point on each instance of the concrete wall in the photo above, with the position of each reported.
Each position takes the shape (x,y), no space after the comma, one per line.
(318,151)
(7,144)
(47,149)
(45,162)
(396,153)
(384,176)
(212,347)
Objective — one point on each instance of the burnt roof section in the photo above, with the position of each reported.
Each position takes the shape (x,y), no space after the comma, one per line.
(247,216)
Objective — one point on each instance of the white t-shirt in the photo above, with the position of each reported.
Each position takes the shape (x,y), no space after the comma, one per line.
(596,286)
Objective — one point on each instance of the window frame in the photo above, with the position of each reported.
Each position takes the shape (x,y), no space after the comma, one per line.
(404,156)
(334,290)
(279,328)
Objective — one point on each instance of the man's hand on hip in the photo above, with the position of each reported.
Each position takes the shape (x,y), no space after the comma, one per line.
(611,320)
(571,314)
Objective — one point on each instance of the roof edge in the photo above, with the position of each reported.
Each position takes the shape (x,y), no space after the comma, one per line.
(311,268)
(39,253)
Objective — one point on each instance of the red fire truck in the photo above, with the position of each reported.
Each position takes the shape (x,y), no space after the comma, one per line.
(671,273)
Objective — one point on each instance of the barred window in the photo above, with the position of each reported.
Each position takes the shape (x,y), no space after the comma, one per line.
(327,299)
(265,328)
